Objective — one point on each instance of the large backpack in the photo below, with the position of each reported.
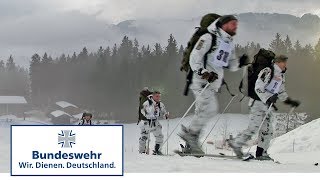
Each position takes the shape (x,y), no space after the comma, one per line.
(143,98)
(264,58)
(185,66)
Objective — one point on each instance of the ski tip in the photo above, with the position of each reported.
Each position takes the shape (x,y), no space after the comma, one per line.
(248,157)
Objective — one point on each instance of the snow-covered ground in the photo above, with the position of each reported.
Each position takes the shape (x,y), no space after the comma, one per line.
(307,153)
(135,163)
(306,149)
(234,123)
(303,143)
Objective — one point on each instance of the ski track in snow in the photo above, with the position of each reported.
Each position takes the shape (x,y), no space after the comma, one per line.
(138,163)
(306,138)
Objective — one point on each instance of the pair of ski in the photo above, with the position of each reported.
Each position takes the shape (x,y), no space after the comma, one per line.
(220,155)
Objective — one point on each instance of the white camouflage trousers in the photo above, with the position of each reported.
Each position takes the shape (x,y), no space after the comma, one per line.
(206,106)
(155,128)
(258,112)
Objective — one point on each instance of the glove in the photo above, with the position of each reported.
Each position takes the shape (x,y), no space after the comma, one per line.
(210,77)
(292,103)
(272,100)
(243,60)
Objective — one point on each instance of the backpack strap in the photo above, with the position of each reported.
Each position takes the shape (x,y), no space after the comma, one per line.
(159,105)
(213,43)
(149,99)
(272,72)
(188,83)
(190,72)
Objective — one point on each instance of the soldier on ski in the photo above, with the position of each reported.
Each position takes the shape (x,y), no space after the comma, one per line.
(86,119)
(152,109)
(268,87)
(211,55)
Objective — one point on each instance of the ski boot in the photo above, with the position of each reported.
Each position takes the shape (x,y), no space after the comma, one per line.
(185,148)
(264,158)
(236,148)
(192,141)
(156,150)
(262,155)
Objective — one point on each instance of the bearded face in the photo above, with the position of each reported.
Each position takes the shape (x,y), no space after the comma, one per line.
(231,27)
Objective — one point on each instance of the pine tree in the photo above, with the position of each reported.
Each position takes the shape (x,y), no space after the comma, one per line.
(114,51)
(135,50)
(277,45)
(35,59)
(10,65)
(171,49)
(146,51)
(74,57)
(288,45)
(100,51)
(107,52)
(83,55)
(317,51)
(181,51)
(46,59)
(101,58)
(62,59)
(297,47)
(157,50)
(35,77)
(308,50)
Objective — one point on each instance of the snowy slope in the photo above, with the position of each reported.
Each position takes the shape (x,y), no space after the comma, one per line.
(303,142)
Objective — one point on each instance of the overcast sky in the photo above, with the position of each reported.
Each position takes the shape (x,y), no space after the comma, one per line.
(119,10)
(26,25)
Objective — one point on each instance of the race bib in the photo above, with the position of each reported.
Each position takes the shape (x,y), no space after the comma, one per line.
(274,85)
(156,111)
(222,55)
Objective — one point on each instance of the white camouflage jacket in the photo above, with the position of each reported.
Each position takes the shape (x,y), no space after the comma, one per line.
(84,122)
(154,110)
(265,90)
(222,56)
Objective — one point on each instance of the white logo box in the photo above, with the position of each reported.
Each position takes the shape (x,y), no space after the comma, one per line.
(94,150)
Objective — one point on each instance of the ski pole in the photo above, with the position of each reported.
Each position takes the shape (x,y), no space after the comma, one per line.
(220,115)
(265,117)
(185,114)
(167,133)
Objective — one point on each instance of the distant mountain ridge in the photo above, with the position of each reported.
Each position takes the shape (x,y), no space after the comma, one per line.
(257,27)
(71,31)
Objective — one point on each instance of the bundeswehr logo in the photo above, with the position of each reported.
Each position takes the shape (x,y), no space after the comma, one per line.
(66,138)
